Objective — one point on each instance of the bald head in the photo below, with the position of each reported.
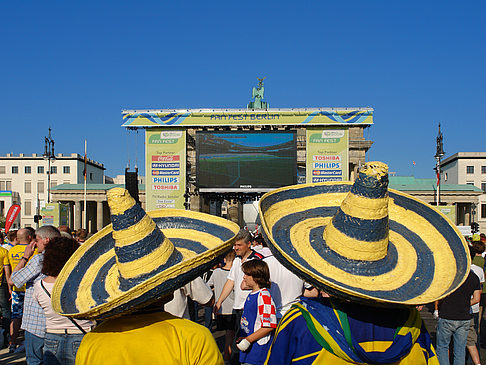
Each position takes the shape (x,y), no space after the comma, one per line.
(23,236)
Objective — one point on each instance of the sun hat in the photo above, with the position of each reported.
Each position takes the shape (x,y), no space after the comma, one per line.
(364,241)
(139,258)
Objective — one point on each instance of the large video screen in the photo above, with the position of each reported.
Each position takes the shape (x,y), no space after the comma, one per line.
(246,160)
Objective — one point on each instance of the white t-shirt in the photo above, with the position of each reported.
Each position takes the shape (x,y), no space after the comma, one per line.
(480,273)
(217,280)
(197,290)
(55,321)
(265,251)
(236,275)
(286,287)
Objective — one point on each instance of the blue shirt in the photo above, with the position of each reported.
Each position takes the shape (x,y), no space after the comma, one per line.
(259,312)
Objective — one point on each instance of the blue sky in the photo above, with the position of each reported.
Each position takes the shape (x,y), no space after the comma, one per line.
(75,65)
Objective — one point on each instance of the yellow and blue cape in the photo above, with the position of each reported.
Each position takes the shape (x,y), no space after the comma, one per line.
(323,331)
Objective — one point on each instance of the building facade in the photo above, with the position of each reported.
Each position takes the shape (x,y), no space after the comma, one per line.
(26,180)
(468,168)
(458,199)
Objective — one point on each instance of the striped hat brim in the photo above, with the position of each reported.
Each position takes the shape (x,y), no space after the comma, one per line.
(427,257)
(88,285)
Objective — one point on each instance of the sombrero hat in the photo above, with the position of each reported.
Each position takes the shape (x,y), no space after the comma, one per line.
(365,241)
(138,258)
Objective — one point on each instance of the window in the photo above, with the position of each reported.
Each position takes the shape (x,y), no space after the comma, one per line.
(28,207)
(469,169)
(483,187)
(40,169)
(15,169)
(483,169)
(66,170)
(8,185)
(91,176)
(27,187)
(40,187)
(2,169)
(2,185)
(483,210)
(445,176)
(27,169)
(470,183)
(66,182)
(53,169)
(53,183)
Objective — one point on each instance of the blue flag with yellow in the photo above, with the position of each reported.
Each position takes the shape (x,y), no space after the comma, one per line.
(320,331)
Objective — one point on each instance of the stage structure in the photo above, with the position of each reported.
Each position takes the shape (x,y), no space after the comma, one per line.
(198,158)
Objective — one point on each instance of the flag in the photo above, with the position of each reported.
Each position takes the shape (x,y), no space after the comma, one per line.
(13,212)
(438,178)
(413,163)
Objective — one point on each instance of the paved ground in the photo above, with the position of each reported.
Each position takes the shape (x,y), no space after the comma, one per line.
(430,323)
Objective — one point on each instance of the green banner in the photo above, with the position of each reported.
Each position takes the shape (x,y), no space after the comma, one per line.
(165,172)
(54,214)
(327,155)
(449,211)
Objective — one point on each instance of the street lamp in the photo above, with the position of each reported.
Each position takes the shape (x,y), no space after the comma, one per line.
(438,155)
(49,156)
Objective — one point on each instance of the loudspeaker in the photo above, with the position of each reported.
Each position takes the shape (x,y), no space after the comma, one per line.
(131,183)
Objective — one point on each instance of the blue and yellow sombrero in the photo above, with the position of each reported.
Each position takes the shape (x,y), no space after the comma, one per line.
(139,258)
(365,241)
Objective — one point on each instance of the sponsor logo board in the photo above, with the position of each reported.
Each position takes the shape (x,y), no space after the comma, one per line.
(327,165)
(166,165)
(327,172)
(166,158)
(165,187)
(165,172)
(326,158)
(326,178)
(165,180)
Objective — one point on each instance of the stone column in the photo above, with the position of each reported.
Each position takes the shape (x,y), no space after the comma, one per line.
(99,215)
(77,214)
(234,212)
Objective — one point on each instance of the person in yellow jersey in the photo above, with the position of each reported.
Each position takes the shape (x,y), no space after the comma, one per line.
(15,255)
(378,253)
(4,293)
(124,274)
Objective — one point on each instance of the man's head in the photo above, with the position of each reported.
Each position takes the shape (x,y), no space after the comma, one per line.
(478,247)
(230,257)
(24,236)
(12,237)
(81,235)
(242,242)
(44,234)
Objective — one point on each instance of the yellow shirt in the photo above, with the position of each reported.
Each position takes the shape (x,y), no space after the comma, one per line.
(15,254)
(155,338)
(3,261)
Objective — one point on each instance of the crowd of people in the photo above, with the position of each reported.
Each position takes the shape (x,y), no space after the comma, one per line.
(338,278)
(30,258)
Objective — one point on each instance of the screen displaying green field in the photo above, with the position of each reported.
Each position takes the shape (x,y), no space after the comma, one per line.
(257,159)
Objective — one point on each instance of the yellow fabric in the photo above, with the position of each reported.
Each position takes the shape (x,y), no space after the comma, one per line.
(157,338)
(119,200)
(14,256)
(352,248)
(3,261)
(414,357)
(134,233)
(365,208)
